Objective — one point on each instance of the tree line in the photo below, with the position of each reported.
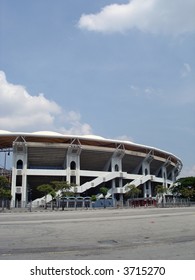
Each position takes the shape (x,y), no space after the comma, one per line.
(183,188)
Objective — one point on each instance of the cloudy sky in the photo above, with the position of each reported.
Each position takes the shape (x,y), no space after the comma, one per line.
(115,68)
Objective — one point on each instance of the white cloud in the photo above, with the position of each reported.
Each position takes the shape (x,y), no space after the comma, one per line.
(73,119)
(125,138)
(21,111)
(151,93)
(147,92)
(186,69)
(155,16)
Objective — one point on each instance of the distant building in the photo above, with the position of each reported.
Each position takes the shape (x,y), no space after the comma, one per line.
(87,161)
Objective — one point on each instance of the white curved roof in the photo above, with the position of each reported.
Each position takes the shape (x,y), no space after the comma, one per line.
(96,137)
(47,133)
(7,138)
(4,132)
(56,134)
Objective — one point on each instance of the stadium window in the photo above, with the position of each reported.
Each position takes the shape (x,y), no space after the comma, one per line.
(73,165)
(19,180)
(19,164)
(116,167)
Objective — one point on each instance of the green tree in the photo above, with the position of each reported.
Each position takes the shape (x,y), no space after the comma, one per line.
(104,191)
(184,187)
(93,197)
(133,191)
(93,200)
(46,189)
(187,192)
(5,192)
(160,191)
(53,195)
(187,181)
(53,188)
(64,188)
(4,183)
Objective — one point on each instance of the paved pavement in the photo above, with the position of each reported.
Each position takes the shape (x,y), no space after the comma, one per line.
(102,234)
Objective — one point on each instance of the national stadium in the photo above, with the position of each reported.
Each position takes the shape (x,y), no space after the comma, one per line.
(88,161)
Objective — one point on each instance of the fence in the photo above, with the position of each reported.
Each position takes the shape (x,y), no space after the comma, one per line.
(175,202)
(81,202)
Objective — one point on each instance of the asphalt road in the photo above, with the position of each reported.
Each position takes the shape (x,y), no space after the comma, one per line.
(104,234)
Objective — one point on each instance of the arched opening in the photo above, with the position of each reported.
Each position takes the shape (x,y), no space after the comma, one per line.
(73,165)
(116,167)
(19,164)
(146,171)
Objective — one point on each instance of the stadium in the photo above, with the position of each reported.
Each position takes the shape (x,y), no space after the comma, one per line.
(87,161)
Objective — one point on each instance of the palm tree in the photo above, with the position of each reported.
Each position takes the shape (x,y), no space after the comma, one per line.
(133,191)
(160,191)
(104,191)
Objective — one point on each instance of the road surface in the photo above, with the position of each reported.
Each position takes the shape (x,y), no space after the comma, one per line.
(100,234)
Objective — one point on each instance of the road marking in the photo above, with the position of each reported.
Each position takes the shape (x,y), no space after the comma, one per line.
(94,219)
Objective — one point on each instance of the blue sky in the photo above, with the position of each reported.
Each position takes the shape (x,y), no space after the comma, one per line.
(115,68)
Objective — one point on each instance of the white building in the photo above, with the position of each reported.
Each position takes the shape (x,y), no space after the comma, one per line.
(88,161)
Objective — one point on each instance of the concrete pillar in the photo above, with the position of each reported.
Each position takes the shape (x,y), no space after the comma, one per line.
(147,189)
(73,164)
(19,174)
(164,176)
(121,200)
(116,166)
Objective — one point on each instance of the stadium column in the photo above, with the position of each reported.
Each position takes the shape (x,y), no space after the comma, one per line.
(165,171)
(164,175)
(73,164)
(173,174)
(116,166)
(19,175)
(146,171)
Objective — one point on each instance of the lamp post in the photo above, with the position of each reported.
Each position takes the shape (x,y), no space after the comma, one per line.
(6,152)
(30,199)
(5,159)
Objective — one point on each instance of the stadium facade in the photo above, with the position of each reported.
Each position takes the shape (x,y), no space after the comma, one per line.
(89,162)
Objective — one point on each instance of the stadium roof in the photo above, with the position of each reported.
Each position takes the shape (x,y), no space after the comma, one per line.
(7,138)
